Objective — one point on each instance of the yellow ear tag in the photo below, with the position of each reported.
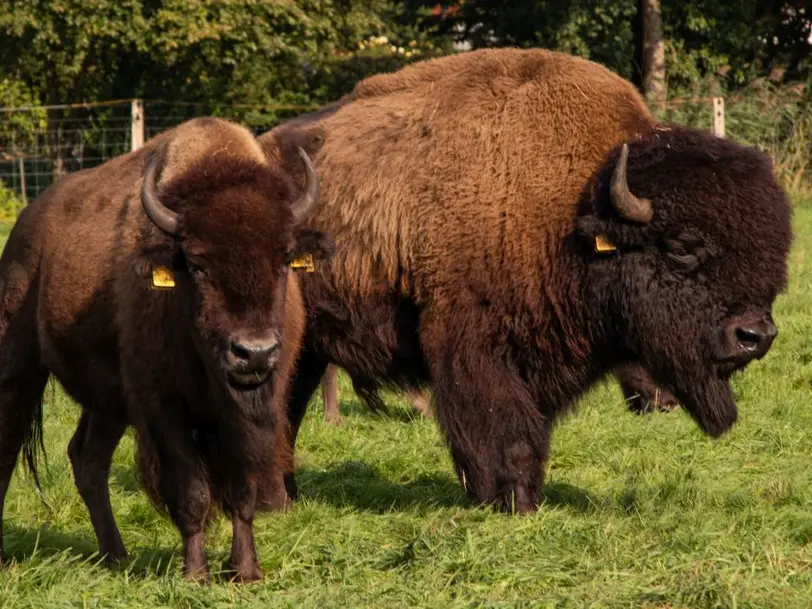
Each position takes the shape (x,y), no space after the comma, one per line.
(162,278)
(304,263)
(602,244)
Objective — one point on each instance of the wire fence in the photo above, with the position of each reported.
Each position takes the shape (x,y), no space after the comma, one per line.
(38,144)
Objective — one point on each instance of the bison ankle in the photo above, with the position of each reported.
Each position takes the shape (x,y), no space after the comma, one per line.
(194,559)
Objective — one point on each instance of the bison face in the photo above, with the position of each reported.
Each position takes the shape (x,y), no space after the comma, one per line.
(700,256)
(234,235)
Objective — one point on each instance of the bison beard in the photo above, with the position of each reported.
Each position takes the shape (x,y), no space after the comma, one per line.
(199,364)
(469,194)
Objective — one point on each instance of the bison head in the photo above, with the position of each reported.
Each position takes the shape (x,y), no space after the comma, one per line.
(698,235)
(233,228)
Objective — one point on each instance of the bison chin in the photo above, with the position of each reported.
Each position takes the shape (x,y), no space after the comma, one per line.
(246,381)
(710,403)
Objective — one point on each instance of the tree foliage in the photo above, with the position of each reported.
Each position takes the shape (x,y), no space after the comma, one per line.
(734,42)
(310,51)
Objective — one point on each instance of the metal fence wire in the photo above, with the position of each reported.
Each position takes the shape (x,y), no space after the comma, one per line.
(38,144)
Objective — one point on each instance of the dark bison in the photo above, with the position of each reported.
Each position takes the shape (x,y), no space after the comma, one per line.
(156,289)
(368,392)
(512,225)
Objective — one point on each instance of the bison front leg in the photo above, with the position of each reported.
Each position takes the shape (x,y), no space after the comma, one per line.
(498,438)
(172,470)
(243,561)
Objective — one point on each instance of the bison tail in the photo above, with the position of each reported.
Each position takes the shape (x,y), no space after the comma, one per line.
(34,444)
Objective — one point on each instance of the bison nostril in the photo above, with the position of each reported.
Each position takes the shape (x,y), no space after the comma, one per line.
(241,351)
(748,338)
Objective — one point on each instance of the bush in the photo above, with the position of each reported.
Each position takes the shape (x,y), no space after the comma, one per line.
(10,203)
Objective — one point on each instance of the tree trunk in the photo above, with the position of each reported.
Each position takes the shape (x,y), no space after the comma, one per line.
(654,85)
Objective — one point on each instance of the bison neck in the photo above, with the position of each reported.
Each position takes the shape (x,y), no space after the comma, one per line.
(551,334)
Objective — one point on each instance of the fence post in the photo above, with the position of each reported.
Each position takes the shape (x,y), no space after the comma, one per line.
(718,128)
(23,185)
(137,124)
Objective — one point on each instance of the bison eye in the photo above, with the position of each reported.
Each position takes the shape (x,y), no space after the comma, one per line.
(681,253)
(685,262)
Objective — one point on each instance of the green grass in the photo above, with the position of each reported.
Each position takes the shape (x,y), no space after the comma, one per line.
(638,511)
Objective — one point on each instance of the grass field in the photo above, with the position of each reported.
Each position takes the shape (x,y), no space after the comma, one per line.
(638,511)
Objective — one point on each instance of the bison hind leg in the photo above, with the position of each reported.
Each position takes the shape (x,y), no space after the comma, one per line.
(20,427)
(91,453)
(329,395)
(22,383)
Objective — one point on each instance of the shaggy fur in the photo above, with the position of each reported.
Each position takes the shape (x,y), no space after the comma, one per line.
(77,302)
(465,193)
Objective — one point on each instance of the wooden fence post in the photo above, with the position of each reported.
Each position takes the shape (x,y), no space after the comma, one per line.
(137,124)
(718,128)
(23,186)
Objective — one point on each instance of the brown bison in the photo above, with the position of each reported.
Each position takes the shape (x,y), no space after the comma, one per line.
(368,394)
(156,289)
(512,225)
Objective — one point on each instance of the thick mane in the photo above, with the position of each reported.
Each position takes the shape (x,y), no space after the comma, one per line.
(509,172)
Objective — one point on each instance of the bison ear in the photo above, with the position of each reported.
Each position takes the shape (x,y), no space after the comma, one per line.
(316,243)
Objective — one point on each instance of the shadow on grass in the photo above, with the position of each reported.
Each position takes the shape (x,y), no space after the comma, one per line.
(561,494)
(22,545)
(357,485)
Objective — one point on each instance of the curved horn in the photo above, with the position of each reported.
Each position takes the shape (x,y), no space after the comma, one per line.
(310,195)
(625,203)
(161,216)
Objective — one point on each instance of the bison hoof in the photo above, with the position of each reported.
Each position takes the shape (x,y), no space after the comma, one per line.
(519,504)
(334,419)
(245,574)
(113,559)
(200,575)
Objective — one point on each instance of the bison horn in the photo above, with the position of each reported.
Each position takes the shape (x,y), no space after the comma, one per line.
(625,203)
(163,217)
(310,196)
